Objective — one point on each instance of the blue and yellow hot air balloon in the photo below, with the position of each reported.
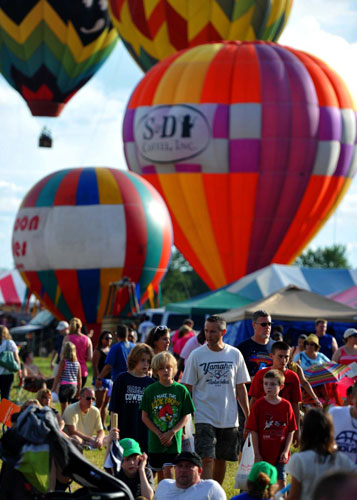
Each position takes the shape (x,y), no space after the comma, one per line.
(50,48)
(156,29)
(80,229)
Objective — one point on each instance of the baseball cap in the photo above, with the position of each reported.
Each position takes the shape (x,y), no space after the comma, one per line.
(130,447)
(188,456)
(268,469)
(349,332)
(62,325)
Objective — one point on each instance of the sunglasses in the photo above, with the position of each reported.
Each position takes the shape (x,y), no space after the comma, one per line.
(161,328)
(265,323)
(310,343)
(89,398)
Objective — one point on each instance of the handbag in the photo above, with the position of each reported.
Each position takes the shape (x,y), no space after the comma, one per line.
(8,361)
(245,464)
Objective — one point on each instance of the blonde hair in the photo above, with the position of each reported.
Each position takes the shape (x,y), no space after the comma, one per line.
(69,351)
(162,359)
(75,326)
(30,402)
(42,393)
(4,333)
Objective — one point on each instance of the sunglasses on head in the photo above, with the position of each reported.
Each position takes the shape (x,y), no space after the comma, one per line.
(265,323)
(161,328)
(108,338)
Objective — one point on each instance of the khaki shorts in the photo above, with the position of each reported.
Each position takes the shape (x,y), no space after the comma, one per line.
(213,442)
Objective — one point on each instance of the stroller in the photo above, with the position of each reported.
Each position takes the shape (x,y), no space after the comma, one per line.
(34,448)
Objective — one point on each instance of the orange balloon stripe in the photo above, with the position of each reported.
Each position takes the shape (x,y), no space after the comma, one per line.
(247,89)
(341,90)
(320,196)
(107,276)
(235,200)
(182,242)
(215,88)
(73,293)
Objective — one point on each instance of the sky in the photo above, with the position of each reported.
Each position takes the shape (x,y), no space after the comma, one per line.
(88,132)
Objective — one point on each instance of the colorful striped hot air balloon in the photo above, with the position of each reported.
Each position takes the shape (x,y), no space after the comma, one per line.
(50,48)
(154,30)
(78,230)
(252,146)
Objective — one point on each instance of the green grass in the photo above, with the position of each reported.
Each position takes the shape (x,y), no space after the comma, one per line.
(96,457)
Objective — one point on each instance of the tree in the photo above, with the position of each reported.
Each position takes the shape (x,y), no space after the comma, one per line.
(181,281)
(333,256)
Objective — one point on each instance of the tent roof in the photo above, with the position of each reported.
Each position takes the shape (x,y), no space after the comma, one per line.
(347,297)
(268,280)
(294,303)
(209,303)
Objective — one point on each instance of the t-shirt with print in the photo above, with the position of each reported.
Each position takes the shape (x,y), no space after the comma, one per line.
(290,391)
(345,430)
(165,406)
(214,377)
(256,355)
(125,400)
(272,422)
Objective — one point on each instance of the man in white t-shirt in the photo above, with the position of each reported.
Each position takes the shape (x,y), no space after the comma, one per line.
(345,427)
(188,484)
(145,326)
(216,375)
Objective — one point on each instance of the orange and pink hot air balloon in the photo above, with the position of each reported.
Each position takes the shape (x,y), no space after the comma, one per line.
(251,144)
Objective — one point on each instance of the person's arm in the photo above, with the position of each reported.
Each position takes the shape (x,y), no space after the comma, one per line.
(334,345)
(150,424)
(89,353)
(18,361)
(189,388)
(307,386)
(285,453)
(295,489)
(146,490)
(255,441)
(242,397)
(252,401)
(103,374)
(54,354)
(58,376)
(166,437)
(336,356)
(95,361)
(99,438)
(72,431)
(296,411)
(79,381)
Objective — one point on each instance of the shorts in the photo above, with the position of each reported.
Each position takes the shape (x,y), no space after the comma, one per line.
(280,467)
(67,392)
(213,442)
(157,461)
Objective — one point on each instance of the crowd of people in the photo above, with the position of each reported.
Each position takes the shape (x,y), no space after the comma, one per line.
(156,388)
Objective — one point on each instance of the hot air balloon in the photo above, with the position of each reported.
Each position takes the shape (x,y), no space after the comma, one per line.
(252,146)
(154,30)
(50,48)
(80,229)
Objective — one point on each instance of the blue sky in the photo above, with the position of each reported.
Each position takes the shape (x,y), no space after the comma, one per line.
(88,132)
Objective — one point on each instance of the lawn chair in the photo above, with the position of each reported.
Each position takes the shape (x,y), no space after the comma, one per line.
(7,408)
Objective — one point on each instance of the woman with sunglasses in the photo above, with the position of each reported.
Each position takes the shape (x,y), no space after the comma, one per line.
(102,394)
(159,339)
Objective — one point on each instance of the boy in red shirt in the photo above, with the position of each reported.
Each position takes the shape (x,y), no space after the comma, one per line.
(291,389)
(272,424)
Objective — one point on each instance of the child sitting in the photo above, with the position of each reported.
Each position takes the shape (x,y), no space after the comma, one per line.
(272,424)
(166,406)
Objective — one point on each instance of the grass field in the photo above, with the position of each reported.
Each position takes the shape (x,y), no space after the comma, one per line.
(97,456)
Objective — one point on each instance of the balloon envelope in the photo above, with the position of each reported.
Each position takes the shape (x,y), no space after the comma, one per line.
(252,146)
(50,48)
(154,30)
(78,230)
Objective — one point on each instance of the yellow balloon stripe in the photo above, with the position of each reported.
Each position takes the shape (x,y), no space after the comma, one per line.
(182,79)
(189,204)
(43,12)
(150,6)
(108,189)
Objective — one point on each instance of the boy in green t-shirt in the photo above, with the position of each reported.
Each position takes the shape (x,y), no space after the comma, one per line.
(166,406)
